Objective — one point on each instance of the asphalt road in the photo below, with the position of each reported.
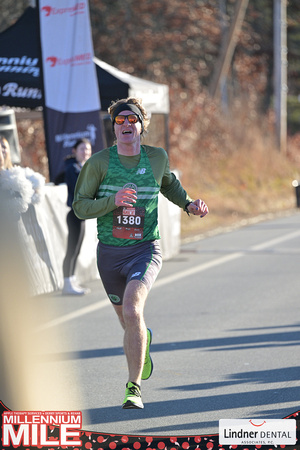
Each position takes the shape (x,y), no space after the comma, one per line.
(226,338)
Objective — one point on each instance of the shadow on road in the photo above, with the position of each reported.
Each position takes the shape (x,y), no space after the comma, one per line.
(262,400)
(259,340)
(195,405)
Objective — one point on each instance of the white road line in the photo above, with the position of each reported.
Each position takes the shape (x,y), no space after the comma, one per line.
(73,315)
(200,268)
(171,278)
(224,259)
(275,241)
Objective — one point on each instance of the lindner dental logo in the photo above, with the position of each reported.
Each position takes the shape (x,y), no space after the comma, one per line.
(257,432)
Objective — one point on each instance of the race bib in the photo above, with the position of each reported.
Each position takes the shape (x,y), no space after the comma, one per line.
(128,223)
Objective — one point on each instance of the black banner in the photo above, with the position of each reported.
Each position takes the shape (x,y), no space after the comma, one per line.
(20,73)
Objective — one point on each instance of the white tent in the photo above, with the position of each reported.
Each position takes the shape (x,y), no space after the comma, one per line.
(155,96)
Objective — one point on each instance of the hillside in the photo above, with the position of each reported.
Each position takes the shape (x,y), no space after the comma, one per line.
(225,152)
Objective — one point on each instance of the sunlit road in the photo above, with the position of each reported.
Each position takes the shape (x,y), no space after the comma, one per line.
(225,315)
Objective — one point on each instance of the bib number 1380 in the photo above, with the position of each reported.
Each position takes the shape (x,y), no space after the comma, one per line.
(129,220)
(128,223)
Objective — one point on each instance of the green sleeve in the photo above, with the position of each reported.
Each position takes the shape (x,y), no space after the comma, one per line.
(171,187)
(85,204)
(173,191)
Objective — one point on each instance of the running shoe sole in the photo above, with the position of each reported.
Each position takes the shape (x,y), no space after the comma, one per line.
(130,405)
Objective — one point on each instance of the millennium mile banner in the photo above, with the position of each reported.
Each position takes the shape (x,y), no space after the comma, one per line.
(50,430)
(72,103)
(31,428)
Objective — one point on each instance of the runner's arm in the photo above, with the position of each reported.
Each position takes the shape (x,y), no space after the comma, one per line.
(86,205)
(172,189)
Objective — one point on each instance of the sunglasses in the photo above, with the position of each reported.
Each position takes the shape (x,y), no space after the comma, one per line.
(132,118)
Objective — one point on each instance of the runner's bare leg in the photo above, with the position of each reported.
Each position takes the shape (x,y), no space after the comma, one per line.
(131,316)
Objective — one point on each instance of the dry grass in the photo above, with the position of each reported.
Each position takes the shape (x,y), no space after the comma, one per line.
(231,163)
(248,178)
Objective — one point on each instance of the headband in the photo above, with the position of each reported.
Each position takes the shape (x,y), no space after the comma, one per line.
(128,107)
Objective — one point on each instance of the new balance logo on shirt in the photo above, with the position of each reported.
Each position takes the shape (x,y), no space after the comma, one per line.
(141,171)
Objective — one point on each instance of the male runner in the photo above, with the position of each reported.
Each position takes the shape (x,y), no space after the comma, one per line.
(120,186)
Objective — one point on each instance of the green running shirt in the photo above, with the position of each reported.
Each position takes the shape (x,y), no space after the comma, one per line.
(124,226)
(105,171)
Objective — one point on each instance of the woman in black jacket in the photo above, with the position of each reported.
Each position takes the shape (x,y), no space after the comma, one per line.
(80,153)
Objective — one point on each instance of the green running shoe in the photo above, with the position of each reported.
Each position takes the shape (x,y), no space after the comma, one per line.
(133,397)
(148,364)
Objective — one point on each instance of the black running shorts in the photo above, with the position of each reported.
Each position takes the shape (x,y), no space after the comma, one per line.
(119,265)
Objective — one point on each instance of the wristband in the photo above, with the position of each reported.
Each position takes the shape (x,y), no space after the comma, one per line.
(186,206)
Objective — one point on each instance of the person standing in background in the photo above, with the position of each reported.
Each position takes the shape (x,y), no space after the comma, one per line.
(4,147)
(18,173)
(81,152)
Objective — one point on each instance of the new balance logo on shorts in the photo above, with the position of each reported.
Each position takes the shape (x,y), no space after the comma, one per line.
(136,274)
(141,171)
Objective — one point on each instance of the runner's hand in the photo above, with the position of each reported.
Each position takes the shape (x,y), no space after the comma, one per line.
(198,208)
(125,197)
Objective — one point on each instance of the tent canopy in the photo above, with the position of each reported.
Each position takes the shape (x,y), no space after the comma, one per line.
(21,79)
(113,81)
